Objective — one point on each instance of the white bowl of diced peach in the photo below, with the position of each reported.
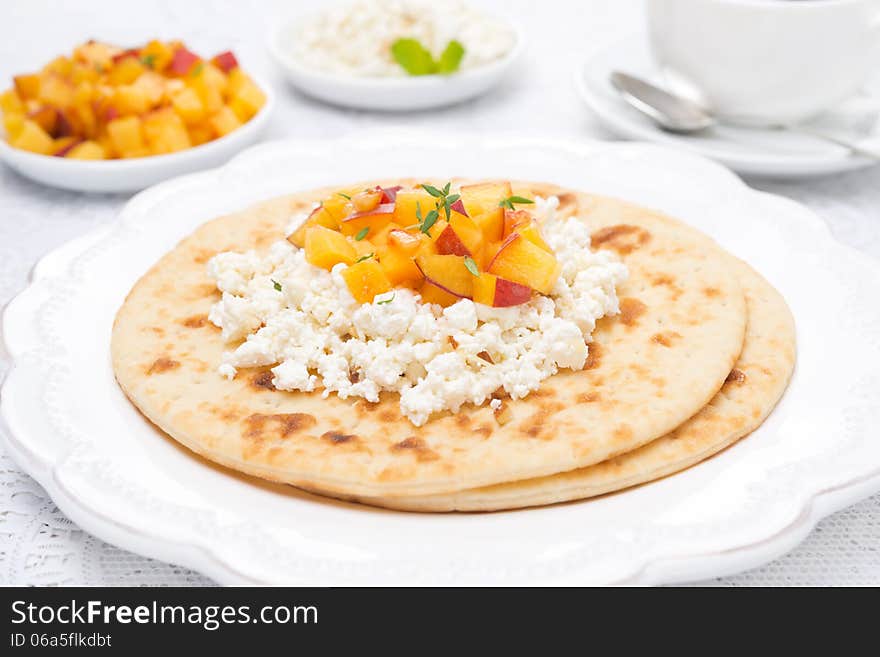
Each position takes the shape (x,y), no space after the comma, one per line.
(107,119)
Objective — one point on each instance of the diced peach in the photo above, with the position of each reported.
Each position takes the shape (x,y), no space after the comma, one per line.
(87,150)
(125,70)
(379,238)
(129,99)
(13,122)
(406,203)
(373,221)
(407,243)
(499,292)
(447,272)
(31,137)
(127,135)
(60,65)
(326,248)
(521,261)
(318,217)
(63,145)
(55,91)
(532,233)
(483,197)
(225,61)
(513,219)
(27,86)
(182,61)
(154,86)
(399,267)
(461,237)
(156,55)
(210,96)
(491,222)
(247,99)
(46,118)
(165,132)
(339,205)
(365,280)
(188,105)
(432,294)
(200,133)
(224,121)
(366,201)
(10,102)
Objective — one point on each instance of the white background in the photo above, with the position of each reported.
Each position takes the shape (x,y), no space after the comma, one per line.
(38,545)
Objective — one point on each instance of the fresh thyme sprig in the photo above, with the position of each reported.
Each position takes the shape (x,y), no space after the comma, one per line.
(427,221)
(445,200)
(388,300)
(471,266)
(276,285)
(364,257)
(510,200)
(345,196)
(362,233)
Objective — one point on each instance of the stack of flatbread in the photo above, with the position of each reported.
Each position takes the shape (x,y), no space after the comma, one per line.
(699,355)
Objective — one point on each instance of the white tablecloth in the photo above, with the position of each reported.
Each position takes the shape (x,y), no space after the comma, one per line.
(38,545)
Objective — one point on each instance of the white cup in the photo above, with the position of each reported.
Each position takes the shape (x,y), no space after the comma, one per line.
(766,61)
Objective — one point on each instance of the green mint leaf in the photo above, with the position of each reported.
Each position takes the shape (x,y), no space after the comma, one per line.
(433,191)
(413,57)
(149,60)
(453,198)
(450,58)
(362,258)
(471,266)
(362,233)
(447,188)
(276,285)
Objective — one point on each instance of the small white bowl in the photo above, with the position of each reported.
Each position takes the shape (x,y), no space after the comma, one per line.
(129,175)
(394,94)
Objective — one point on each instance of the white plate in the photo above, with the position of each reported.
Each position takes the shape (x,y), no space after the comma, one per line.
(397,94)
(114,474)
(747,150)
(134,174)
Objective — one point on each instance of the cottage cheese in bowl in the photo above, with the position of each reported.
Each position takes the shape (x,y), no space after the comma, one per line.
(356,39)
(344,56)
(303,322)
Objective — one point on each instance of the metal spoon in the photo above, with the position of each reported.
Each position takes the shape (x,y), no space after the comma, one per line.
(683,116)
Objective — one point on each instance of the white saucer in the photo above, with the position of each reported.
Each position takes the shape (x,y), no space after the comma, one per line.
(746,150)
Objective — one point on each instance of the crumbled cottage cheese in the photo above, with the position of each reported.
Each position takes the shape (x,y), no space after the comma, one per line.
(355,39)
(318,337)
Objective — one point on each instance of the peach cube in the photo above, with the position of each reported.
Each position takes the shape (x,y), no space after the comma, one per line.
(326,248)
(87,150)
(188,105)
(365,280)
(522,261)
(224,121)
(127,136)
(31,137)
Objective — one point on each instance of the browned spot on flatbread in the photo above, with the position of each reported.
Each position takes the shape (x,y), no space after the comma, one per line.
(203,255)
(665,338)
(263,380)
(736,376)
(202,291)
(484,430)
(417,446)
(567,201)
(630,310)
(594,356)
(284,424)
(668,282)
(337,438)
(711,292)
(462,421)
(389,415)
(623,238)
(535,426)
(588,397)
(623,432)
(158,330)
(162,364)
(196,321)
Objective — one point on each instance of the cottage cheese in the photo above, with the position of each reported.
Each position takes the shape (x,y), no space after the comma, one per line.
(316,336)
(355,39)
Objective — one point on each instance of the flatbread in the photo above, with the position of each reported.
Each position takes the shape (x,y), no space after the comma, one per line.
(653,366)
(751,391)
